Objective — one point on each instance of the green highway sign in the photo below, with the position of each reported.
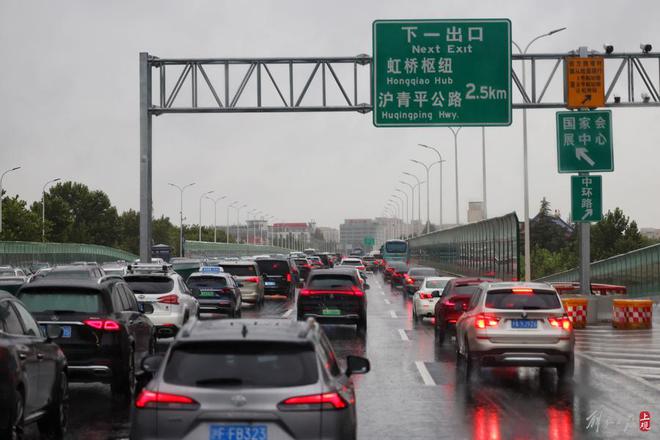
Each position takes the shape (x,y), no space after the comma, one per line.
(441,72)
(584,141)
(586,198)
(369,241)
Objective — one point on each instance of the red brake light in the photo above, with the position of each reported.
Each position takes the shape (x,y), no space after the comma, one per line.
(102,324)
(357,291)
(153,399)
(562,322)
(252,279)
(288,277)
(449,303)
(483,321)
(410,280)
(522,291)
(425,295)
(169,299)
(305,292)
(314,402)
(360,268)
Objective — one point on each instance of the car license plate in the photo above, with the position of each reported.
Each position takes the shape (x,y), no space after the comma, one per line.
(331,312)
(66,330)
(269,283)
(523,323)
(206,293)
(234,432)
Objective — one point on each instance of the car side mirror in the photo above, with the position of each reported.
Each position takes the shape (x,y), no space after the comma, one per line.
(357,365)
(53,332)
(151,364)
(145,308)
(435,294)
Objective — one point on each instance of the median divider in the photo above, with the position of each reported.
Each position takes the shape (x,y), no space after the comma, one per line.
(630,314)
(576,309)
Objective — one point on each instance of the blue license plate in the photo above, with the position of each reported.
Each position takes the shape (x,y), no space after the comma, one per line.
(66,330)
(238,432)
(523,323)
(270,284)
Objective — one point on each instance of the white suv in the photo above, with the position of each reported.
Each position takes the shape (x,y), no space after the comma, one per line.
(167,292)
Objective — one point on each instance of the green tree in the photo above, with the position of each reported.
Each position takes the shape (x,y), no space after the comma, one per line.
(18,222)
(128,237)
(547,230)
(615,234)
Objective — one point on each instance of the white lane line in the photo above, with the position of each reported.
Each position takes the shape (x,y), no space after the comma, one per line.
(393,314)
(619,354)
(387,301)
(424,372)
(404,336)
(617,370)
(287,313)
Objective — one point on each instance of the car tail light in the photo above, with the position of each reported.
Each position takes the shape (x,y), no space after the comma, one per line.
(425,295)
(360,268)
(562,322)
(102,324)
(314,402)
(252,279)
(307,266)
(484,321)
(169,299)
(305,292)
(450,304)
(288,277)
(357,291)
(410,280)
(154,399)
(522,291)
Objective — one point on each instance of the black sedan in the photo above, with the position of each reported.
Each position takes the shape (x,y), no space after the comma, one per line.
(33,380)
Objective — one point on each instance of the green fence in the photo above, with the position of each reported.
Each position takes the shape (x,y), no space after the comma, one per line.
(23,254)
(487,248)
(205,249)
(638,270)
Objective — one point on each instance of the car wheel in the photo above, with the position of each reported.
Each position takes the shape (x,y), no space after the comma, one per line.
(14,431)
(186,316)
(362,325)
(565,371)
(53,425)
(439,332)
(123,385)
(414,315)
(237,313)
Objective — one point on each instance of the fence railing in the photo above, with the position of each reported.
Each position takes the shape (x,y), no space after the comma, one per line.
(487,248)
(204,249)
(23,254)
(638,270)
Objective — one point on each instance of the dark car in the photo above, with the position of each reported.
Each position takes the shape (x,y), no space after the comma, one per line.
(399,271)
(105,333)
(453,302)
(249,379)
(415,276)
(217,293)
(33,379)
(278,279)
(304,267)
(325,259)
(334,296)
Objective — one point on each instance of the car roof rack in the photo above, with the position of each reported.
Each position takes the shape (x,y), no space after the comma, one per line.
(109,277)
(149,268)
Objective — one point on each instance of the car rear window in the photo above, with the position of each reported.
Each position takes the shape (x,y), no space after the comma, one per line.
(301,262)
(200,282)
(70,274)
(522,300)
(331,282)
(423,272)
(436,284)
(465,289)
(149,285)
(82,301)
(7,273)
(273,267)
(240,270)
(242,365)
(351,263)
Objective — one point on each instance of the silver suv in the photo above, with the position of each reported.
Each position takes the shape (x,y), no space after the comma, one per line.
(248,275)
(248,379)
(515,324)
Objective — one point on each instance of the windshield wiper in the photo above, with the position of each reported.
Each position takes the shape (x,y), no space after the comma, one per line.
(230,381)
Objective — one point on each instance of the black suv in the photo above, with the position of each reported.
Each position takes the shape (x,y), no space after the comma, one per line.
(105,332)
(278,277)
(334,296)
(33,381)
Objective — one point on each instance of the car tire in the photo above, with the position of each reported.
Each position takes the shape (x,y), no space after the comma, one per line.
(414,315)
(123,385)
(14,431)
(440,332)
(237,313)
(565,371)
(53,425)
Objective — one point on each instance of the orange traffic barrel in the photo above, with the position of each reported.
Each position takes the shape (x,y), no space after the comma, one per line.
(632,313)
(576,309)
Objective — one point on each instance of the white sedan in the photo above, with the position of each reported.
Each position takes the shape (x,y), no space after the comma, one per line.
(425,298)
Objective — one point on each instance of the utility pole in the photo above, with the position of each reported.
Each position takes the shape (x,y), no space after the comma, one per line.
(181,189)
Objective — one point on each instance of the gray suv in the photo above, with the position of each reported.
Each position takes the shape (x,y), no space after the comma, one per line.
(248,379)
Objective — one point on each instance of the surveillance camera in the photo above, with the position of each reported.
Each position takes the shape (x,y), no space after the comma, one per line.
(646,48)
(617,99)
(646,97)
(608,48)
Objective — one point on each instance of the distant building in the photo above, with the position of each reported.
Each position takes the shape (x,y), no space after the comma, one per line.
(329,234)
(475,212)
(652,233)
(352,233)
(298,231)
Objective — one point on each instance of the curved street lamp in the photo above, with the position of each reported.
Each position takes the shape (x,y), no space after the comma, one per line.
(181,190)
(1,178)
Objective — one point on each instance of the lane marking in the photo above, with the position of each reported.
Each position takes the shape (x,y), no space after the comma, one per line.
(387,301)
(617,354)
(616,370)
(424,372)
(287,313)
(404,335)
(393,314)
(382,293)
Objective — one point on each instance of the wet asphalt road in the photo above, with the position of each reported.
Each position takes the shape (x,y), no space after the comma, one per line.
(413,391)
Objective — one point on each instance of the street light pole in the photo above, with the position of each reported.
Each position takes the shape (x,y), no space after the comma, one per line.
(204,195)
(406,228)
(215,217)
(440,159)
(455,133)
(419,195)
(238,223)
(181,189)
(232,205)
(412,204)
(528,246)
(43,208)
(1,178)
(428,203)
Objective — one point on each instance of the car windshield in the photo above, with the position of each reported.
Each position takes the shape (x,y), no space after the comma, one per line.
(245,365)
(201,282)
(396,247)
(244,270)
(149,284)
(523,299)
(330,282)
(273,267)
(81,301)
(436,284)
(422,272)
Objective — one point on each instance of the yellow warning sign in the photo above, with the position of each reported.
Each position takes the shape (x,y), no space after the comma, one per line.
(585,82)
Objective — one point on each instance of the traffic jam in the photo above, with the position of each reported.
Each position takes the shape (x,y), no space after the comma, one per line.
(276,346)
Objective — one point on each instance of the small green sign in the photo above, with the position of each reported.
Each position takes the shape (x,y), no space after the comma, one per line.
(586,198)
(369,241)
(584,141)
(441,72)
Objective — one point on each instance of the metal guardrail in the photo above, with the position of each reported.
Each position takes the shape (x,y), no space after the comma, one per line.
(638,270)
(22,253)
(487,248)
(205,249)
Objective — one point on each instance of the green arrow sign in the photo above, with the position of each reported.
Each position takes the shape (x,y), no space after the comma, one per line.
(586,198)
(584,141)
(441,72)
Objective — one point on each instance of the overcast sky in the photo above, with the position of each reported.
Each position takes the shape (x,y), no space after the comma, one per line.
(69,109)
